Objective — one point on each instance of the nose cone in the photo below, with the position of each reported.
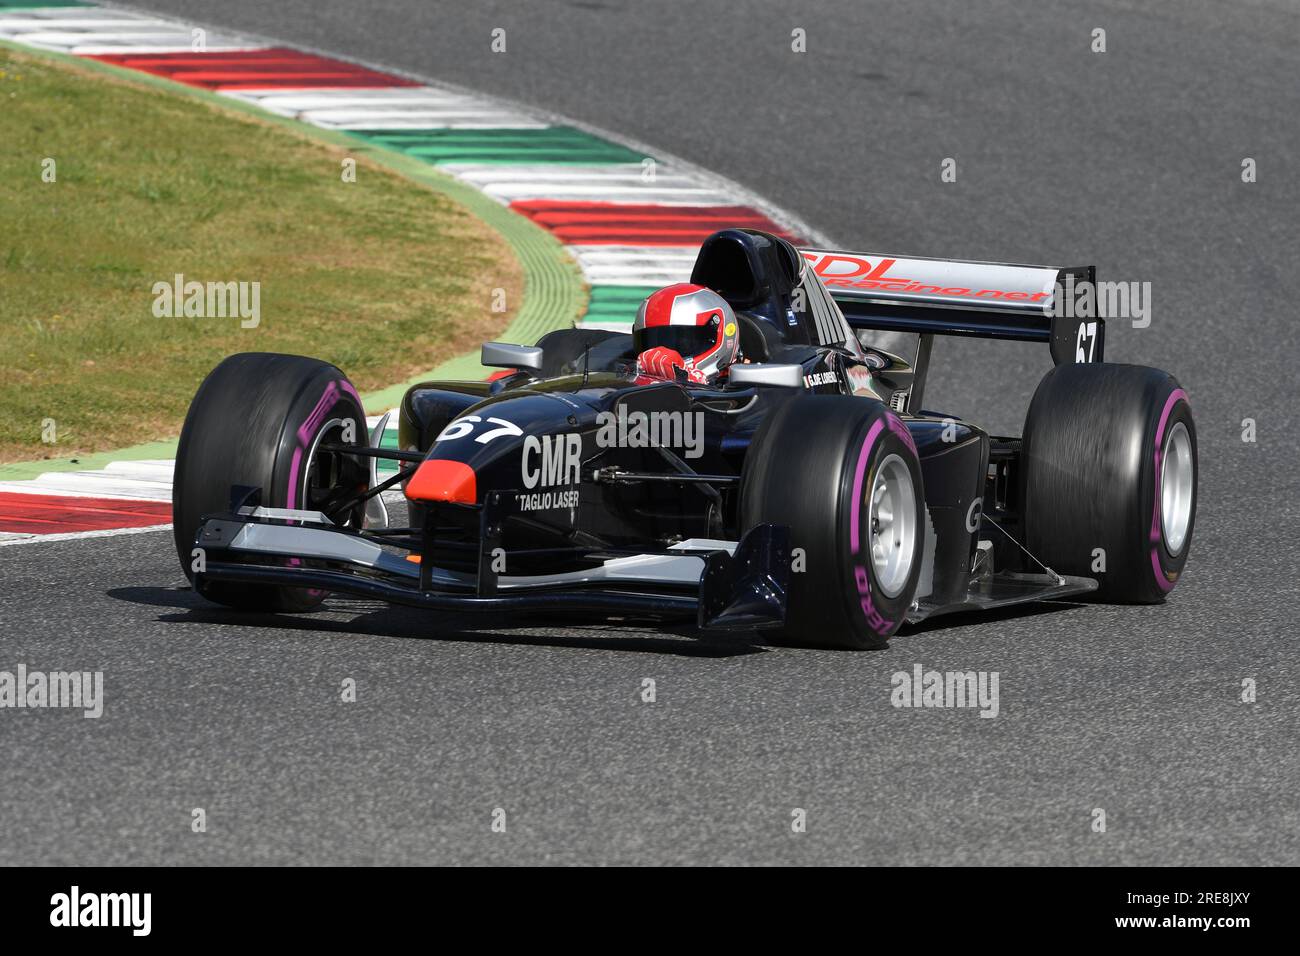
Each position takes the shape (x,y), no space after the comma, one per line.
(439,479)
(482,450)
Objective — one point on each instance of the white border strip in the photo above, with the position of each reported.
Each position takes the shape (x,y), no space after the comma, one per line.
(6,540)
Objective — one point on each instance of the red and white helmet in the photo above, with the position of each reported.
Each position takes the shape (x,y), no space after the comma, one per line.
(687,326)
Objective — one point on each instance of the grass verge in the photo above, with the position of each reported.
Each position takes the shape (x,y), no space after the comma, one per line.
(381,276)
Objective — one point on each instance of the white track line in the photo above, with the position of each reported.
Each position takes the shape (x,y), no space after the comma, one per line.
(617,182)
(8,538)
(635,265)
(87,31)
(149,480)
(397,107)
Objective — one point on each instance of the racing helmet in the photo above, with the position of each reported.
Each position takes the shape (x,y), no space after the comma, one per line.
(687,326)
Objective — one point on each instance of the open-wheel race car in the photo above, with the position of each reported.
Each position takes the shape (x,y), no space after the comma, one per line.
(800,489)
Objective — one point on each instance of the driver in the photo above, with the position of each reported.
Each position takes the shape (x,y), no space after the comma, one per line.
(689,327)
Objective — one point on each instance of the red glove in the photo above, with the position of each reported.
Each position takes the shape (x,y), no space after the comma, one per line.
(660,362)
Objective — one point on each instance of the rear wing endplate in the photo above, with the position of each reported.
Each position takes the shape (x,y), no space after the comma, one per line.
(951,297)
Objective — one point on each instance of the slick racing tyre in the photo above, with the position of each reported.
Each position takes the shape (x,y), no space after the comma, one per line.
(843,475)
(261,420)
(1109,478)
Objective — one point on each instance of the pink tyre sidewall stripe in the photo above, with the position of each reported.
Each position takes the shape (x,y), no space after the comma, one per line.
(306,434)
(861,576)
(308,429)
(864,455)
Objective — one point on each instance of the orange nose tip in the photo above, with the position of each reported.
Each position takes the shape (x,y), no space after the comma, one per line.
(439,480)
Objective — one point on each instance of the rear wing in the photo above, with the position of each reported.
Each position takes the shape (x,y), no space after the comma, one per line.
(951,297)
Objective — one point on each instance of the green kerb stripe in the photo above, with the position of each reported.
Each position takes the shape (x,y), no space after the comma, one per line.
(616,303)
(555,144)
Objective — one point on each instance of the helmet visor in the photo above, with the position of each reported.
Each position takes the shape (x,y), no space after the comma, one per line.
(686,340)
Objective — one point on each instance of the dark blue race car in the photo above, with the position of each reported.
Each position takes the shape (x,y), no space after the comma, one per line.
(802,489)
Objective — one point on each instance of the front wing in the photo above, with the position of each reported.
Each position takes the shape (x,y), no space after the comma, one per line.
(722,585)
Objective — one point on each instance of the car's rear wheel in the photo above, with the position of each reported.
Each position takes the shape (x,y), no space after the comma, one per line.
(266,420)
(843,475)
(1109,478)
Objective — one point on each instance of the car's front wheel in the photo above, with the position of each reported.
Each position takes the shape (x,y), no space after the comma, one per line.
(267,421)
(843,475)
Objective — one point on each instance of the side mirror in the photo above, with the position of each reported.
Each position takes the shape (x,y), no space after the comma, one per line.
(505,355)
(784,376)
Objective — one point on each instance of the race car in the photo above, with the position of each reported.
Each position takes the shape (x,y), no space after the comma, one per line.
(801,488)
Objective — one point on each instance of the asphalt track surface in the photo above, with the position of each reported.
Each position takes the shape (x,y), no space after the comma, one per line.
(1129,159)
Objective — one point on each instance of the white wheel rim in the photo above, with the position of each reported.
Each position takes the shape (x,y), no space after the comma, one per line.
(321,432)
(891,522)
(1177,479)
